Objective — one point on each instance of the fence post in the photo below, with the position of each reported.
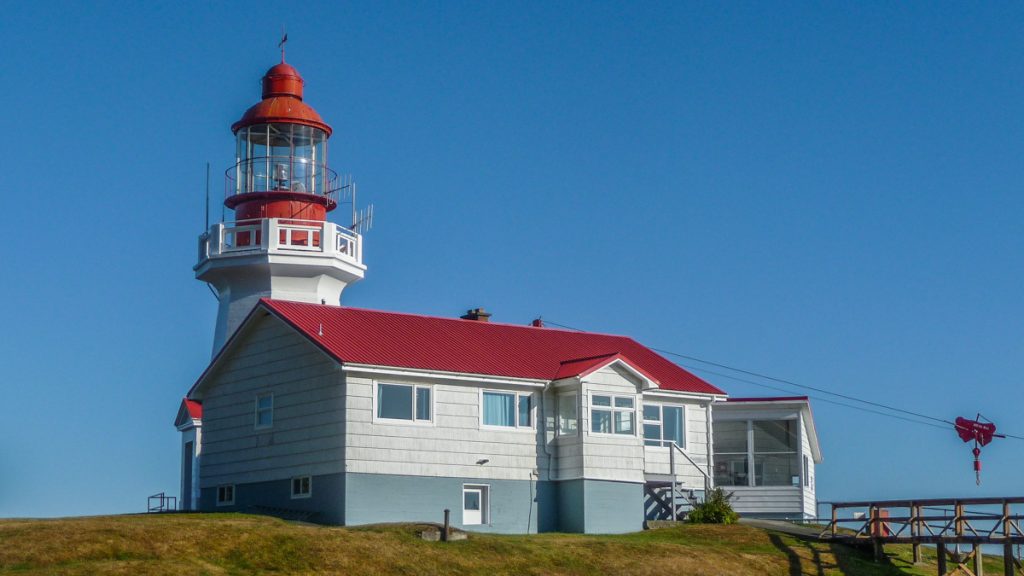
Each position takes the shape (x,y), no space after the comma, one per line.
(447,525)
(915,530)
(1008,563)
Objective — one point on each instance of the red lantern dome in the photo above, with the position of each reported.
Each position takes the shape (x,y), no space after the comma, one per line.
(281,169)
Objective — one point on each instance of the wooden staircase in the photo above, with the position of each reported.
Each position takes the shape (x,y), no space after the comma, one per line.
(668,500)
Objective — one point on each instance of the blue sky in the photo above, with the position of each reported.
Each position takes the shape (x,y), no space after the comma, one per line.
(827,193)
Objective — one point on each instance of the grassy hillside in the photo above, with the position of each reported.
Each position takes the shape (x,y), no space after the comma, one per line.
(240,544)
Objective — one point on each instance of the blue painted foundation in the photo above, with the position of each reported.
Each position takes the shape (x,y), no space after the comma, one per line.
(600,506)
(326,501)
(376,498)
(514,507)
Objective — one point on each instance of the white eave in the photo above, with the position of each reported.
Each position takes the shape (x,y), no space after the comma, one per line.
(441,375)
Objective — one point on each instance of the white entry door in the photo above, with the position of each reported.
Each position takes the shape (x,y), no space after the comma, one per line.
(472,506)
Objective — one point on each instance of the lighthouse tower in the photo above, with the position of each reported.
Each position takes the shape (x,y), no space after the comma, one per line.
(280,244)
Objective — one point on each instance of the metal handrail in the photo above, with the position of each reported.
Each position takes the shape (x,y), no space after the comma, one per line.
(318,173)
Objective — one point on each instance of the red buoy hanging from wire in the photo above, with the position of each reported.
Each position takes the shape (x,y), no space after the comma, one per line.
(981,433)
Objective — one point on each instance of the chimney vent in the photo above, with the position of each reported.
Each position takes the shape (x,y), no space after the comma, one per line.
(538,323)
(477,314)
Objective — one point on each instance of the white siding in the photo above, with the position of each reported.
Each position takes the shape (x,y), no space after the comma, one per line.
(449,446)
(657,458)
(307,432)
(611,456)
(774,500)
(810,502)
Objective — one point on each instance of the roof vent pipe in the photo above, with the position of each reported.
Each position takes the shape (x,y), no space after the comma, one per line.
(477,314)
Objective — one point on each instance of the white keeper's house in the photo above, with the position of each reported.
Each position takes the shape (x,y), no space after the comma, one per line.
(349,416)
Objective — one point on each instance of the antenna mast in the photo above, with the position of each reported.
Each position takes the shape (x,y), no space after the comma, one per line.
(207,197)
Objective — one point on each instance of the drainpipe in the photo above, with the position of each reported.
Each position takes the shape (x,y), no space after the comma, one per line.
(709,480)
(544,418)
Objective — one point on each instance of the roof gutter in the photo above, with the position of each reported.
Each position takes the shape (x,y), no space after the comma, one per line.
(442,375)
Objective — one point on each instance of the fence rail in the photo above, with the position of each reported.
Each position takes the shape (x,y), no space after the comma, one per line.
(916,522)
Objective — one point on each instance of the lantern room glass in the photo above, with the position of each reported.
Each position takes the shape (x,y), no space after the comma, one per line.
(281,157)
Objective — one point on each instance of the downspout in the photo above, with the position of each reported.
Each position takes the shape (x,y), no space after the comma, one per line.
(710,479)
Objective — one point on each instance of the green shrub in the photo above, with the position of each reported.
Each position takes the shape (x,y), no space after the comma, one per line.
(715,509)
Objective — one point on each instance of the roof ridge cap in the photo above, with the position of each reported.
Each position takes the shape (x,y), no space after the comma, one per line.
(459,320)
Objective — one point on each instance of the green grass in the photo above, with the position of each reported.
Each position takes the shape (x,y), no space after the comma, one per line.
(241,544)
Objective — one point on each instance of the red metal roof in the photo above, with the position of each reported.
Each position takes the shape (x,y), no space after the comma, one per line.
(187,411)
(282,102)
(359,336)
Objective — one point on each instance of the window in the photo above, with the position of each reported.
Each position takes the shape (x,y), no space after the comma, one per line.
(567,418)
(731,455)
(225,495)
(775,454)
(664,425)
(506,409)
(302,487)
(264,411)
(807,472)
(612,414)
(475,505)
(766,447)
(403,402)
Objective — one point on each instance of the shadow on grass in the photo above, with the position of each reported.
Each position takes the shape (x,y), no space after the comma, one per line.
(806,558)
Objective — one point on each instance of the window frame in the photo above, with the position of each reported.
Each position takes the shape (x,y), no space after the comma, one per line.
(413,421)
(559,431)
(662,443)
(485,503)
(751,453)
(309,487)
(256,414)
(518,399)
(613,410)
(221,490)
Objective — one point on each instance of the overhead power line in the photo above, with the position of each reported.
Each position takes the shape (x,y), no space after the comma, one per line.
(804,387)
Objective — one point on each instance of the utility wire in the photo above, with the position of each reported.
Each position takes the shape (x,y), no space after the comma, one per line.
(803,386)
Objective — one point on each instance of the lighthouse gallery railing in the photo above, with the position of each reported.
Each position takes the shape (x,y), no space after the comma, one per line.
(280,235)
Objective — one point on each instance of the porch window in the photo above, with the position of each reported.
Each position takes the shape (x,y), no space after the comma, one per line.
(756,453)
(775,453)
(567,416)
(403,402)
(731,454)
(506,409)
(612,414)
(264,411)
(664,425)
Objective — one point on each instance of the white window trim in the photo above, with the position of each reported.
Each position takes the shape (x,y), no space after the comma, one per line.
(226,502)
(256,413)
(485,506)
(613,409)
(558,415)
(516,427)
(291,487)
(399,421)
(661,412)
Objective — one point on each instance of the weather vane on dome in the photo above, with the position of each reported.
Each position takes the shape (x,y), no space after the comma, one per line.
(284,40)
